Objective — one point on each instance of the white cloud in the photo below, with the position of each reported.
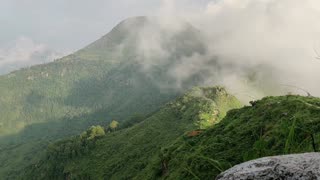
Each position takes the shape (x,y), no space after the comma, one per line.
(280,34)
(24,52)
(274,38)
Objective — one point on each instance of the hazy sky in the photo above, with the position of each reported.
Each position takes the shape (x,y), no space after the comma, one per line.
(37,31)
(69,24)
(52,28)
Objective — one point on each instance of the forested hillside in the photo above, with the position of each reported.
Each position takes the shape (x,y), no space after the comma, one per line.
(128,153)
(106,80)
(104,76)
(138,104)
(186,139)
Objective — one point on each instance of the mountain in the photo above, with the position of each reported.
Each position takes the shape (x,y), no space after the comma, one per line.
(127,153)
(188,139)
(112,78)
(271,126)
(105,76)
(122,108)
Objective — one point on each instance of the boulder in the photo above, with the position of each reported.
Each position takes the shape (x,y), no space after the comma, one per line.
(295,166)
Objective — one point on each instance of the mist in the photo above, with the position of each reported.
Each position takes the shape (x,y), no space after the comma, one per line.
(24,52)
(132,89)
(263,47)
(256,47)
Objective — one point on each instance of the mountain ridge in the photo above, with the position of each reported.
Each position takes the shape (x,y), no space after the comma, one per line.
(90,69)
(47,102)
(136,146)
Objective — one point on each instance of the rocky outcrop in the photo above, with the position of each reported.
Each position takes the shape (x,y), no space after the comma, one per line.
(296,166)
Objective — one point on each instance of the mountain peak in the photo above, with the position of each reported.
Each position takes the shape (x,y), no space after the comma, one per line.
(150,25)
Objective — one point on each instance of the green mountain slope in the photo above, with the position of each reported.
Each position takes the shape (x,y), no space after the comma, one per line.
(272,126)
(125,73)
(106,80)
(125,153)
(107,75)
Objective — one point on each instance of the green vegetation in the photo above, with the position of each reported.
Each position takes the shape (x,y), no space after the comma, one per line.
(93,133)
(113,125)
(187,140)
(22,149)
(272,126)
(68,108)
(100,77)
(101,82)
(125,153)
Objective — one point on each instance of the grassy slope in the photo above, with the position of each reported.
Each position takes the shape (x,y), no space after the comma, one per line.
(92,86)
(125,153)
(274,126)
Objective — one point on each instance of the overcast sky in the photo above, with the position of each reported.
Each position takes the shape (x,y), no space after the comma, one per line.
(53,28)
(69,24)
(38,31)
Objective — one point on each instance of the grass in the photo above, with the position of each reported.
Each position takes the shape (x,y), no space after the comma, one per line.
(273,126)
(159,147)
(126,153)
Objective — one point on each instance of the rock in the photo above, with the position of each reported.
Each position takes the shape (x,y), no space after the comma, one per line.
(296,166)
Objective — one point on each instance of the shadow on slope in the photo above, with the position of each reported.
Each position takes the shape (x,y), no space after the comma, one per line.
(26,147)
(125,153)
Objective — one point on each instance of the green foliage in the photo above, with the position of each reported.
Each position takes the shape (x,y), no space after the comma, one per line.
(65,150)
(290,138)
(272,126)
(101,76)
(134,119)
(18,151)
(129,152)
(113,125)
(93,133)
(99,79)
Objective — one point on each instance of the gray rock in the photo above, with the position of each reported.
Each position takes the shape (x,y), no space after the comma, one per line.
(296,166)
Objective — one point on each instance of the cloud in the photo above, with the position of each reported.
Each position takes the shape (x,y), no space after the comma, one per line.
(258,45)
(24,52)
(281,34)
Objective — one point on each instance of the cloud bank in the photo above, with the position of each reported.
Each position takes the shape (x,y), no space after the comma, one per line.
(252,46)
(264,47)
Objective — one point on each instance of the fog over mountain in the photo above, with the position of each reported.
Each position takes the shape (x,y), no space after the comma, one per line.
(65,26)
(277,41)
(155,89)
(24,52)
(281,36)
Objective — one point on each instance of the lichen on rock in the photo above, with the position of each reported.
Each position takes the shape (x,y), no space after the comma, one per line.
(296,166)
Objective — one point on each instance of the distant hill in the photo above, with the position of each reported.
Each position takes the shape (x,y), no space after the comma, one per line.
(126,153)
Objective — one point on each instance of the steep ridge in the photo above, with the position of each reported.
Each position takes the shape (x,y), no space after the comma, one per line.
(107,75)
(125,153)
(271,126)
(106,80)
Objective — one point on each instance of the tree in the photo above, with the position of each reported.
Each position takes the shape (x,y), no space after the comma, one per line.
(94,132)
(113,125)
